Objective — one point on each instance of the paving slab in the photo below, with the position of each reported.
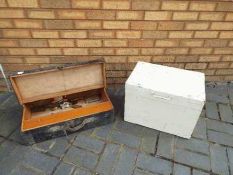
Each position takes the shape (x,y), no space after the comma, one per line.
(212,110)
(200,129)
(230,157)
(226,113)
(82,171)
(143,172)
(219,126)
(181,170)
(198,172)
(103,131)
(64,169)
(220,138)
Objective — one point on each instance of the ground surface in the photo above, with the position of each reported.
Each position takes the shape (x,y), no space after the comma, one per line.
(122,148)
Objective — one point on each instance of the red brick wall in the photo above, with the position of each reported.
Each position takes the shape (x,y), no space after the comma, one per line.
(190,34)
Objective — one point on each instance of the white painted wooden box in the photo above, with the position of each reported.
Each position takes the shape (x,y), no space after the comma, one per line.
(164,98)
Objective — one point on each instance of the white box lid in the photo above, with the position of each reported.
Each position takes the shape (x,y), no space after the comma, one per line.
(169,80)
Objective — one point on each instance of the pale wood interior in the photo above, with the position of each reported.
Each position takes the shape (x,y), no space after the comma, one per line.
(47,84)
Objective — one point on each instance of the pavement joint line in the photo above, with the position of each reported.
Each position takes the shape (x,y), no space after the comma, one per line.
(157,143)
(228,162)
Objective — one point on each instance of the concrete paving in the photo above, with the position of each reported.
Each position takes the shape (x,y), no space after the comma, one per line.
(123,148)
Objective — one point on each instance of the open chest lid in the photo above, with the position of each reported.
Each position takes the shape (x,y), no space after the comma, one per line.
(40,85)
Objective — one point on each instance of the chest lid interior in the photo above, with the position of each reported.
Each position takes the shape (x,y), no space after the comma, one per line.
(52,83)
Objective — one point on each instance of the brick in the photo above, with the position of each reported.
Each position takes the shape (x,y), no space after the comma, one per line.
(176,51)
(153,164)
(55,4)
(220,138)
(14,33)
(101,51)
(197,26)
(24,3)
(145,5)
(140,43)
(81,157)
(223,51)
(74,34)
(75,51)
(115,43)
(139,58)
(198,160)
(202,6)
(48,51)
(180,169)
(155,34)
(158,15)
(209,58)
(157,59)
(226,34)
(191,43)
(180,34)
(227,58)
(11,13)
(143,25)
(44,34)
(59,24)
(101,34)
(115,59)
(37,60)
(230,156)
(195,66)
(3,3)
(83,4)
(171,25)
(152,51)
(200,129)
(88,24)
(8,43)
(25,23)
(126,162)
(166,43)
(195,145)
(21,51)
(5,23)
(187,58)
(33,43)
(216,43)
(128,34)
(100,14)
(61,43)
(174,5)
(129,15)
(221,26)
(185,16)
(115,25)
(108,159)
(116,73)
(165,145)
(121,4)
(206,34)
(211,16)
(225,6)
(89,143)
(229,17)
(41,14)
(208,72)
(225,110)
(203,51)
(71,14)
(127,51)
(3,51)
(89,43)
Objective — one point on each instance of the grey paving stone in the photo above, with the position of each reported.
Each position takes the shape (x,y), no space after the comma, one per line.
(6,148)
(149,139)
(231,96)
(1,140)
(166,145)
(108,159)
(220,138)
(89,143)
(58,149)
(40,161)
(10,102)
(219,164)
(123,138)
(103,131)
(194,145)
(230,157)
(44,146)
(226,113)
(142,172)
(81,157)
(3,97)
(82,171)
(192,159)
(64,169)
(22,170)
(217,98)
(200,129)
(154,164)
(212,110)
(220,126)
(181,170)
(126,161)
(198,172)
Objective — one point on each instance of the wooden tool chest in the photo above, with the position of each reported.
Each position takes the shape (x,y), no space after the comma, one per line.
(62,100)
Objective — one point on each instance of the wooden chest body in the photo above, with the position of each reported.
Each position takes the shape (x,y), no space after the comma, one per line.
(61,95)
